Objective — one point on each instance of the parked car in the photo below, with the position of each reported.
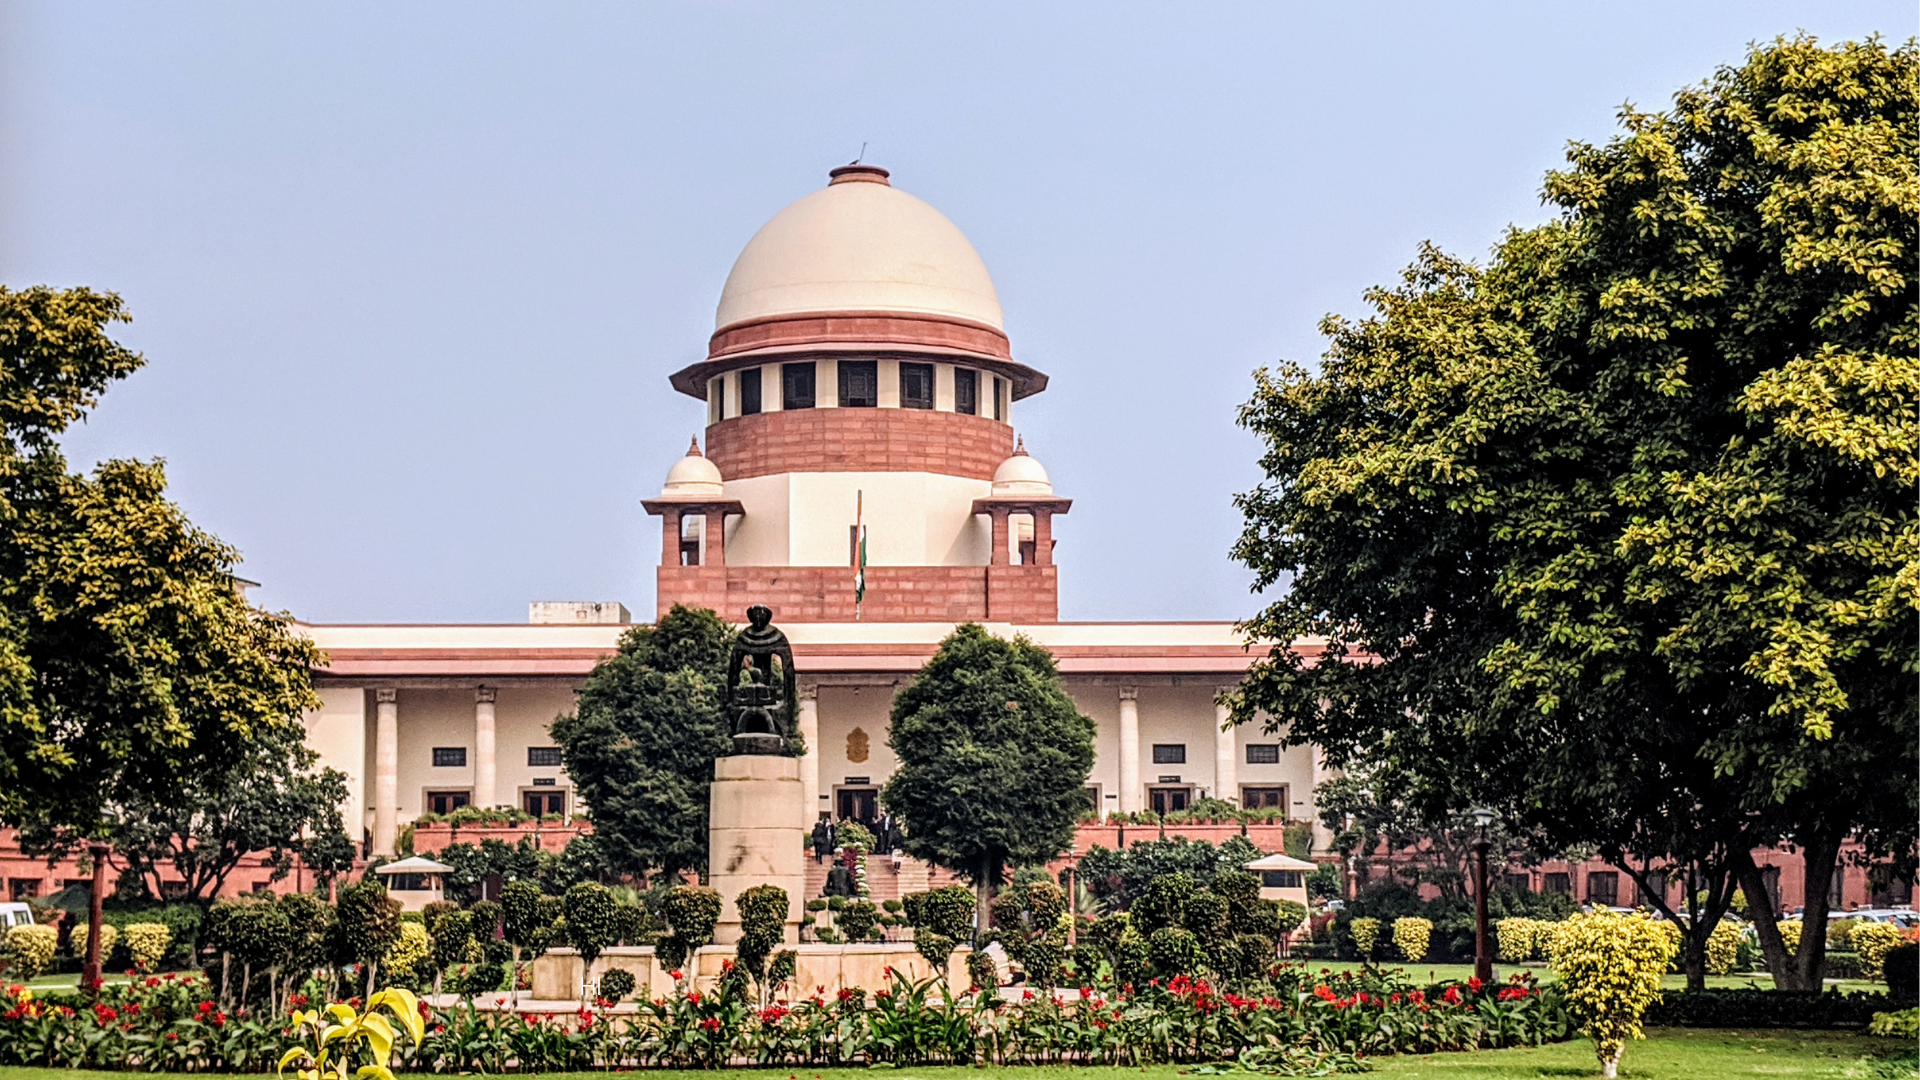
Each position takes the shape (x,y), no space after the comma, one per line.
(14,914)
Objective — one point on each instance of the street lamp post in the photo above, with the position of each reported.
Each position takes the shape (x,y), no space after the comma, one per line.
(1073,897)
(1482,955)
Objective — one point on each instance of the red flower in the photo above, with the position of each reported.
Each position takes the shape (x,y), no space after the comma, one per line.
(1026,995)
(693,998)
(1325,993)
(1452,995)
(675,973)
(710,1024)
(1474,984)
(1086,992)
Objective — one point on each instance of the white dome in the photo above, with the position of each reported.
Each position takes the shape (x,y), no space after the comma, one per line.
(858,244)
(693,475)
(1021,475)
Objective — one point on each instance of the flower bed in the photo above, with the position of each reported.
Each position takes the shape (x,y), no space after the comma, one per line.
(168,1024)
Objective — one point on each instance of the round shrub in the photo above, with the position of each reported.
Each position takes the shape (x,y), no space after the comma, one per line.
(982,971)
(147,944)
(77,940)
(483,979)
(1174,951)
(948,911)
(1790,934)
(592,923)
(1610,967)
(1411,935)
(1515,939)
(1723,948)
(1873,940)
(30,949)
(1366,935)
(763,922)
(937,948)
(856,919)
(616,985)
(411,951)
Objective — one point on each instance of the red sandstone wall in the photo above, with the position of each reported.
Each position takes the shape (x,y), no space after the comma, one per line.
(1025,594)
(859,440)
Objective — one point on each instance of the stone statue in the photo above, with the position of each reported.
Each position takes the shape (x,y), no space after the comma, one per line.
(760,686)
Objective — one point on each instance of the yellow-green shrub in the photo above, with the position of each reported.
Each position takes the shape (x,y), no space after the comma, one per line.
(1516,938)
(1790,934)
(1904,1024)
(77,940)
(1723,948)
(1872,940)
(147,943)
(1411,935)
(30,949)
(414,945)
(1610,967)
(1366,934)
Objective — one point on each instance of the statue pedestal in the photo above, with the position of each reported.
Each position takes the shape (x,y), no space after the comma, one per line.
(753,839)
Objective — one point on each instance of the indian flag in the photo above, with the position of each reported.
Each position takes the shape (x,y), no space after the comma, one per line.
(860,552)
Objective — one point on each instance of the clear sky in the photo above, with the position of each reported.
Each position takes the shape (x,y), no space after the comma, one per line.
(410,277)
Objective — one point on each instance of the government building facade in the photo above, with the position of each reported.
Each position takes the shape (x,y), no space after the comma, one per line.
(860,395)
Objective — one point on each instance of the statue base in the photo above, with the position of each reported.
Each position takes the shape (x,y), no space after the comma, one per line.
(758,744)
(752,836)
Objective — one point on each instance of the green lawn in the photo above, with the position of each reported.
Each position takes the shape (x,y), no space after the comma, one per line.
(1461,972)
(1667,1054)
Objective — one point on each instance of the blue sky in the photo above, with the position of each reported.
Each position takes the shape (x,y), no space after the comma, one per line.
(410,278)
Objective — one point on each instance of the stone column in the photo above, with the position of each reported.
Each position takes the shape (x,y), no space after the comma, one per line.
(809,719)
(715,553)
(484,793)
(386,770)
(1322,836)
(1042,536)
(1131,796)
(670,538)
(1226,771)
(1000,541)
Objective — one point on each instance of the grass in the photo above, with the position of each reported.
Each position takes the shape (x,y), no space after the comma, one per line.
(1461,972)
(1666,1054)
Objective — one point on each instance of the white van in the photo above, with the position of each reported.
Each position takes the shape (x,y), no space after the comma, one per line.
(14,914)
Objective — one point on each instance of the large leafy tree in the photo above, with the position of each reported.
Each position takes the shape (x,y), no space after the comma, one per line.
(641,744)
(993,758)
(130,663)
(1618,532)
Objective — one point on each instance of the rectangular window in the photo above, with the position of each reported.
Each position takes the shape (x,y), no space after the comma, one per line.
(1519,882)
(1603,888)
(717,398)
(1093,797)
(966,391)
(999,398)
(1169,753)
(22,888)
(544,803)
(1263,753)
(1263,798)
(543,757)
(1280,879)
(446,802)
(859,384)
(916,386)
(1557,883)
(796,386)
(1169,800)
(749,391)
(449,757)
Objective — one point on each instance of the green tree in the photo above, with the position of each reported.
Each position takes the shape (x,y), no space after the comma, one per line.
(641,744)
(366,925)
(993,759)
(1617,534)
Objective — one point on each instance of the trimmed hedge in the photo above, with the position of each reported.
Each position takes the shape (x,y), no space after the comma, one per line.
(1766,1009)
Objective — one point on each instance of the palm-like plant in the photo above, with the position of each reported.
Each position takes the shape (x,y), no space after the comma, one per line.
(339,1031)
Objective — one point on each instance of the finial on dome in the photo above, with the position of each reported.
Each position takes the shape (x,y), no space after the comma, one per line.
(1020,446)
(858,173)
(693,447)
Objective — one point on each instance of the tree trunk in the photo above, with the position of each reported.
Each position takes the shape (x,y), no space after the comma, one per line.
(1786,975)
(246,982)
(983,895)
(1819,854)
(226,968)
(373,970)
